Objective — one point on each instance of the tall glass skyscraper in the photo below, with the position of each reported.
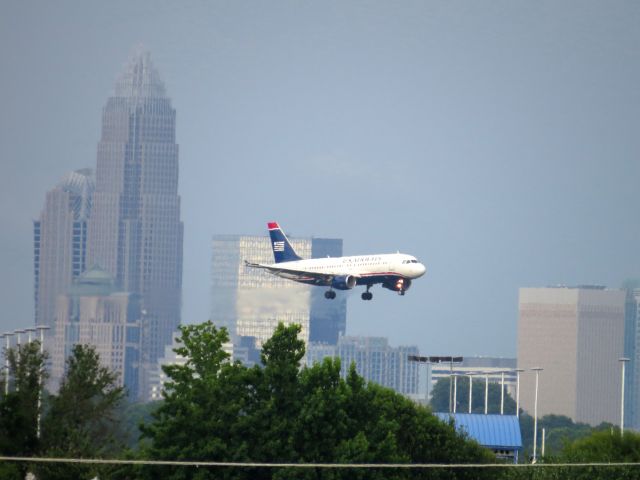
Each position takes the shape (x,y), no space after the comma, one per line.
(135,232)
(250,302)
(59,242)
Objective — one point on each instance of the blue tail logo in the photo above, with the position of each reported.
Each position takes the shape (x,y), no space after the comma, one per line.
(282,249)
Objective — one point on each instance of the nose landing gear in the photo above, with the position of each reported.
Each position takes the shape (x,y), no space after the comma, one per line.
(330,294)
(367,295)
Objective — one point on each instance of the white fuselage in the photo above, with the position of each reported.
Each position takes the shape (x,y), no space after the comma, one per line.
(360,266)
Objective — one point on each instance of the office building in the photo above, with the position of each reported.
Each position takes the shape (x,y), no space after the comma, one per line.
(94,312)
(375,360)
(632,352)
(59,242)
(577,336)
(135,232)
(250,302)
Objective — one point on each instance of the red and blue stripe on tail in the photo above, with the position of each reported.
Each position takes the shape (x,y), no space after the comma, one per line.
(282,249)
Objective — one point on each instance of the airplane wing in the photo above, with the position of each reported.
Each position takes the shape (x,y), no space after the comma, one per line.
(299,275)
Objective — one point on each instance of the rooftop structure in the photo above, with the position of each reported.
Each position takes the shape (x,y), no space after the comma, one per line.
(499,433)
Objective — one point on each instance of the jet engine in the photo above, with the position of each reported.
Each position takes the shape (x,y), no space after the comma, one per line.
(344,282)
(398,284)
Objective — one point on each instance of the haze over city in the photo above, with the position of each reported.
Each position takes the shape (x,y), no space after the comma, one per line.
(496,141)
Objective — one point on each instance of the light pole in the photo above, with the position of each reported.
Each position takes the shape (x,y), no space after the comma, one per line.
(470,391)
(18,332)
(518,371)
(433,359)
(5,378)
(29,332)
(486,393)
(455,391)
(623,361)
(502,393)
(42,328)
(535,416)
(7,336)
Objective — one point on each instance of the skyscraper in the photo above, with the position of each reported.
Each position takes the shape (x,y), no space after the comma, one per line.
(250,302)
(632,352)
(577,336)
(135,232)
(59,242)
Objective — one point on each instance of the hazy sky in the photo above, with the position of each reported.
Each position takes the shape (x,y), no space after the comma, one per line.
(498,141)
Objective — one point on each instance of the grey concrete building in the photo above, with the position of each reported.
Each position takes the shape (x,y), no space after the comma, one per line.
(577,336)
(250,302)
(135,232)
(59,242)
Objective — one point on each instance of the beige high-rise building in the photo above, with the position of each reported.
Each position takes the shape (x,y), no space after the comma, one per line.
(577,336)
(94,312)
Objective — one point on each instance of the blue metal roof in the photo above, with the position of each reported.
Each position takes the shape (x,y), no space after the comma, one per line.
(493,431)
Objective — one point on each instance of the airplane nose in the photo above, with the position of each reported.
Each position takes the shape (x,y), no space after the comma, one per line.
(420,269)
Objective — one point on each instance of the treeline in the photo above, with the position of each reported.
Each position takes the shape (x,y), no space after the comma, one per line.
(217,410)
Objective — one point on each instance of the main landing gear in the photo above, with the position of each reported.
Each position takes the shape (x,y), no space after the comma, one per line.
(330,294)
(367,295)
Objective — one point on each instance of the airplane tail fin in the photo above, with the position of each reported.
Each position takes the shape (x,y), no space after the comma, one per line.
(282,249)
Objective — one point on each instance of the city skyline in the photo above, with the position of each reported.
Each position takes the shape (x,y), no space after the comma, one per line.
(499,141)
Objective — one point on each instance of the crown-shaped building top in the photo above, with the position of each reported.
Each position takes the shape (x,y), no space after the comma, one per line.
(140,79)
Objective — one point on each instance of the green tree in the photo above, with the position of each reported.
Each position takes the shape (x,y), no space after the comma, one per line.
(280,399)
(19,408)
(560,430)
(442,394)
(280,412)
(201,415)
(83,419)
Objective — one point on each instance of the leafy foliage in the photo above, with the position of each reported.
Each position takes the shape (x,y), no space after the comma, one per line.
(19,408)
(278,412)
(83,418)
(560,430)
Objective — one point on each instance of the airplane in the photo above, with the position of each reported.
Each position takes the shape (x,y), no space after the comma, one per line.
(394,271)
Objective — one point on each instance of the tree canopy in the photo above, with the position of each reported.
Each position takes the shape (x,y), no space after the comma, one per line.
(279,412)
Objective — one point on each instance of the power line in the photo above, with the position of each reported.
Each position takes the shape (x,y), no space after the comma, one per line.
(182,463)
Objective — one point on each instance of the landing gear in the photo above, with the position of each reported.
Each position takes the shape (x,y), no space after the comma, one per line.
(367,295)
(330,294)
